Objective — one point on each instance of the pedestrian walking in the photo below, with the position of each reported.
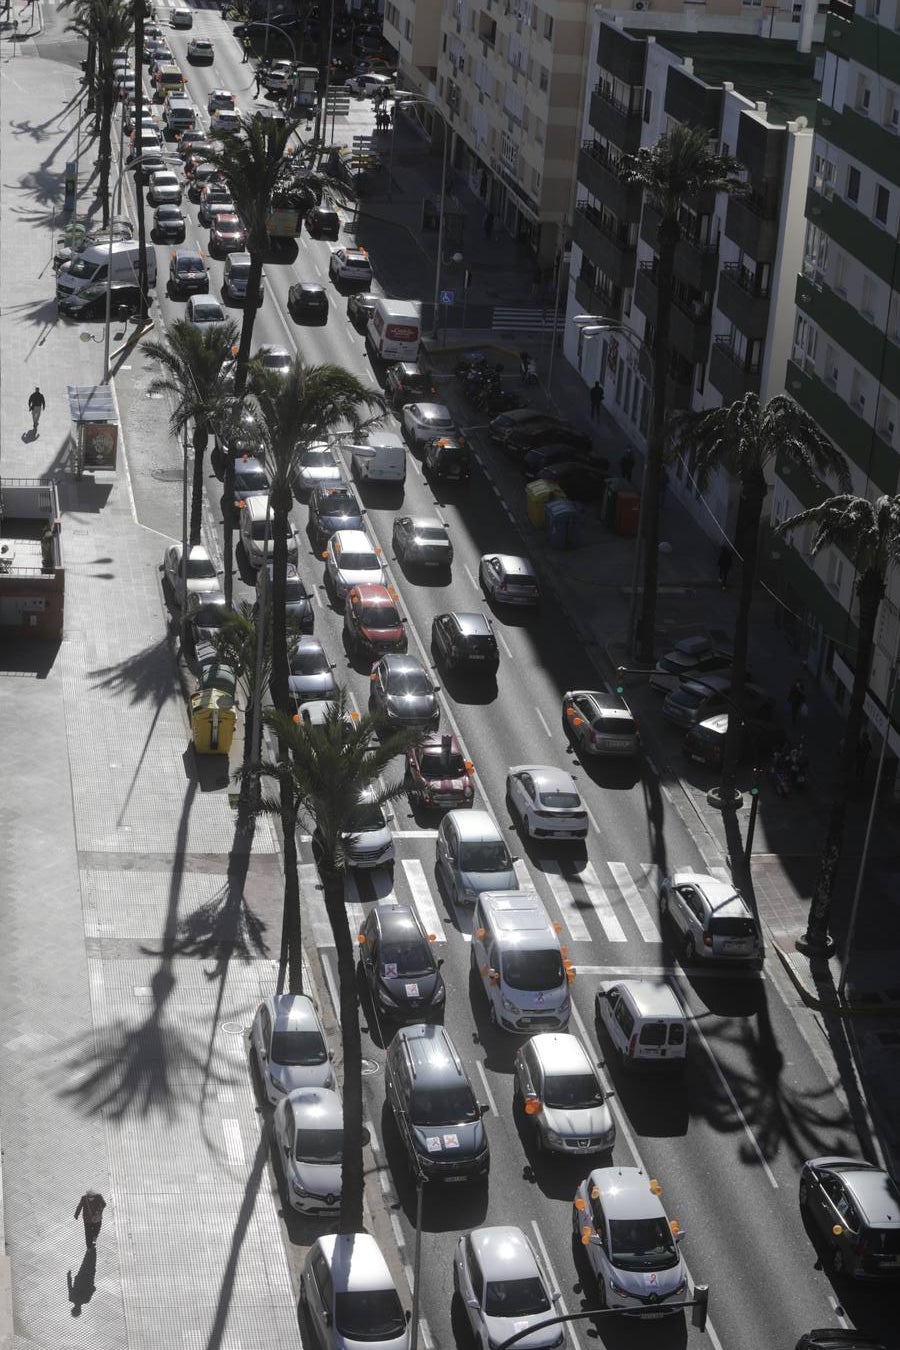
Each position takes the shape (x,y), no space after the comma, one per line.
(489,225)
(863,750)
(524,364)
(796,701)
(596,399)
(626,465)
(223,8)
(246,45)
(725,559)
(257,76)
(90,1208)
(36,405)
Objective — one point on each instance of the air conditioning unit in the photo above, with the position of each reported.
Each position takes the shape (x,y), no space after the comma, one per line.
(641,4)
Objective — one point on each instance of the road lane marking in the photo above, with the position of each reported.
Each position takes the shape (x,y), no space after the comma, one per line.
(234,1145)
(554,1282)
(332,988)
(422,898)
(498,634)
(490,1096)
(745,1124)
(468,573)
(543,721)
(596,894)
(565,900)
(632,897)
(622,972)
(356,913)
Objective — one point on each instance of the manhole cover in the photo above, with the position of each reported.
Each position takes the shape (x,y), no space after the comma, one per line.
(370,1067)
(168,475)
(233,1028)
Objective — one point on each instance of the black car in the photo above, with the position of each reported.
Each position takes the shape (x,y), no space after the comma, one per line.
(705,742)
(579,480)
(447,458)
(298,604)
(188,274)
(407,382)
(207,613)
(534,434)
(402,693)
(542,456)
(465,642)
(333,507)
(397,960)
(169,224)
(360,307)
(308,302)
(437,1115)
(323,222)
(854,1206)
(506,424)
(90,303)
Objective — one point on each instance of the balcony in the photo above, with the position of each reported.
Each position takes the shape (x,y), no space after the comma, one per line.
(753,225)
(696,263)
(741,301)
(859,441)
(689,324)
(599,173)
(605,245)
(598,299)
(731,374)
(616,121)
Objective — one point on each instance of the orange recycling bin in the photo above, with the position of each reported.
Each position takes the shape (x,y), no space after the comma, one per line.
(628,510)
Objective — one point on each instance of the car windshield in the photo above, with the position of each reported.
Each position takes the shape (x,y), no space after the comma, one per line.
(365,816)
(80,267)
(410,682)
(408,956)
(339,504)
(439,765)
(572,1090)
(433,532)
(190,266)
(451,1105)
(359,562)
(369,1315)
(207,314)
(485,856)
(516,1298)
(314,458)
(309,661)
(732,927)
(535,970)
(294,592)
(564,801)
(210,616)
(319,1146)
(250,480)
(298,1048)
(642,1244)
(379,617)
(200,567)
(259,529)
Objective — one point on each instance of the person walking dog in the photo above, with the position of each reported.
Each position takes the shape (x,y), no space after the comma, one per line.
(36,405)
(90,1208)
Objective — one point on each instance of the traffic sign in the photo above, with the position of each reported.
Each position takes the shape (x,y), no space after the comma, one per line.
(447,297)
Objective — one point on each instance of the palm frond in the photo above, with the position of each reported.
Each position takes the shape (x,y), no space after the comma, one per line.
(868,533)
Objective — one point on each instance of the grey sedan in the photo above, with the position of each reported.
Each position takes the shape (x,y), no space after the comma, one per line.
(423,542)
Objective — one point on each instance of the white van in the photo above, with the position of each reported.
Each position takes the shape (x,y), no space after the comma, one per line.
(645,1022)
(119,264)
(395,330)
(523,969)
(381,460)
(179,114)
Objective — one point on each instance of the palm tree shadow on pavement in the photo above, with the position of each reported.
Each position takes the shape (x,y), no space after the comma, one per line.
(218,1330)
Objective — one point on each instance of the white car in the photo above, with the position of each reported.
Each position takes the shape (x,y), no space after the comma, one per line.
(351,265)
(201,571)
(316,465)
(221,99)
(351,559)
(309,1134)
(204,312)
(164,187)
(224,119)
(424,422)
(368,842)
(545,802)
(713,920)
(631,1247)
(288,1043)
(558,1088)
(503,1288)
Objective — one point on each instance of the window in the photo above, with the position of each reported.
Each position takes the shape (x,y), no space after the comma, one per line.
(835,571)
(891,110)
(840,274)
(852,192)
(894,315)
(858,393)
(863,95)
(548,27)
(831,367)
(544,79)
(867,305)
(887,419)
(882,203)
(648,103)
(408,30)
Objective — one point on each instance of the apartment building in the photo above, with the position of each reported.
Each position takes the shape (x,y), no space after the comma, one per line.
(844,368)
(735,266)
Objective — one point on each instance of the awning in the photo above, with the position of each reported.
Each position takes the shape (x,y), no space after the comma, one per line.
(92,403)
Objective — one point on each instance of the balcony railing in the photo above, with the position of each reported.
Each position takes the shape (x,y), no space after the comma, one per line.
(743,277)
(616,103)
(695,310)
(598,152)
(617,233)
(725,345)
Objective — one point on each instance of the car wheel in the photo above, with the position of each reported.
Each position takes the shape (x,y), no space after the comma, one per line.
(690,950)
(456,1288)
(838,1265)
(803,1195)
(492,1014)
(601,1292)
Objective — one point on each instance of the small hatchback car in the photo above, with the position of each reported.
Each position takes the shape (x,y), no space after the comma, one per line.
(465,642)
(437,776)
(289,1046)
(855,1206)
(713,920)
(598,723)
(401,691)
(503,1289)
(349,1297)
(372,623)
(397,960)
(309,1132)
(508,580)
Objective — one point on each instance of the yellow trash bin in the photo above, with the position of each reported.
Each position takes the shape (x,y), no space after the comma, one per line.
(537,495)
(212,722)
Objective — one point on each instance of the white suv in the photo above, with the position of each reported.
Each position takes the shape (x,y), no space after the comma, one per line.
(714,920)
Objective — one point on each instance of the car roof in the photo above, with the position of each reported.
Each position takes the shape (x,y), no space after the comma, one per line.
(395,919)
(708,685)
(408,369)
(504,1253)
(721,896)
(355,1262)
(421,522)
(294,1012)
(189,254)
(560,1052)
(432,1052)
(319,1108)
(473,826)
(248,464)
(256,506)
(433,743)
(471,624)
(873,1189)
(625,1193)
(322,491)
(397,663)
(434,410)
(513,565)
(352,541)
(547,777)
(372,593)
(604,701)
(312,287)
(519,915)
(652,998)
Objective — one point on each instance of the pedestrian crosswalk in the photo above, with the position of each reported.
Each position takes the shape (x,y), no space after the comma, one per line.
(613,902)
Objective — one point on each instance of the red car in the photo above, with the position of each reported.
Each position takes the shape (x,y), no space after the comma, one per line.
(436,773)
(372,625)
(227,234)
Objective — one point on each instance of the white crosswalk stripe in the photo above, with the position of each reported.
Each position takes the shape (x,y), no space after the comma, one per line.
(568,906)
(355,909)
(587,877)
(632,897)
(422,899)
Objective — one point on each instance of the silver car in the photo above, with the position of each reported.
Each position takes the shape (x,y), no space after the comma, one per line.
(369,842)
(309,1135)
(351,559)
(714,920)
(472,856)
(631,1247)
(545,802)
(503,1288)
(423,542)
(558,1088)
(289,1046)
(316,465)
(421,422)
(348,1296)
(598,723)
(508,580)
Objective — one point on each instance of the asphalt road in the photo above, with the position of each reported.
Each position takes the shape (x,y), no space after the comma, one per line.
(725,1141)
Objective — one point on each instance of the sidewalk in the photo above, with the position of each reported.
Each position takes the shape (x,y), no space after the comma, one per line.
(137,938)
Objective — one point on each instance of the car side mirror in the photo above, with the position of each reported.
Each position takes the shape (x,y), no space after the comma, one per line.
(483,1108)
(555,1296)
(601,993)
(472,1303)
(326,1317)
(331,1054)
(408,1317)
(440,962)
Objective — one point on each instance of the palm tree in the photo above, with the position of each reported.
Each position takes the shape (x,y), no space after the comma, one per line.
(744,438)
(192,362)
(329,767)
(297,408)
(678,167)
(868,533)
(109,24)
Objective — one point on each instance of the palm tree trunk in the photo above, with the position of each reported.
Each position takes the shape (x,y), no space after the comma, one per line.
(292,934)
(816,940)
(251,304)
(352,1173)
(668,236)
(143,284)
(753,497)
(200,439)
(279,678)
(105,148)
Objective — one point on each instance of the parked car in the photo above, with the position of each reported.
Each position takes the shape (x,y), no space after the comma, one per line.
(691,656)
(298,603)
(201,570)
(705,741)
(308,1129)
(346,1289)
(323,222)
(697,699)
(360,306)
(288,1044)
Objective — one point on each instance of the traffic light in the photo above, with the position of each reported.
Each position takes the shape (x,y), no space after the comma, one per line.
(620,689)
(701,1302)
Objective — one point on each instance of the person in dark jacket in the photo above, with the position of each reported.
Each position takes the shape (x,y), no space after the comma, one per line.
(90,1208)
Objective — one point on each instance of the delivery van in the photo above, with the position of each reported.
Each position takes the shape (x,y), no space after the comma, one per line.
(382,459)
(395,330)
(525,973)
(118,263)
